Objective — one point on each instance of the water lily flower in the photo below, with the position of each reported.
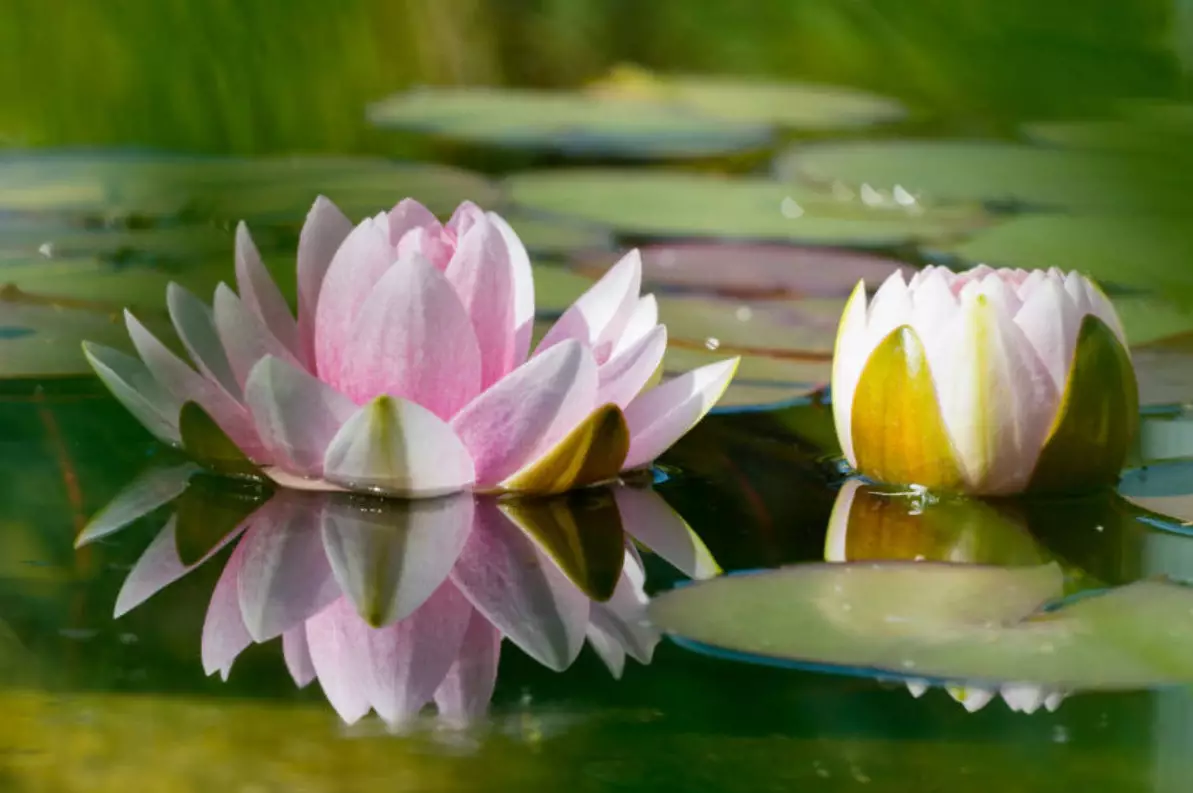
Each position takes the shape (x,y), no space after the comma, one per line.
(1020,697)
(408,369)
(988,382)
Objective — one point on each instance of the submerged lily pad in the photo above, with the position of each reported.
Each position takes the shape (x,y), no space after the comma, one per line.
(659,205)
(574,124)
(755,270)
(941,621)
(991,171)
(794,105)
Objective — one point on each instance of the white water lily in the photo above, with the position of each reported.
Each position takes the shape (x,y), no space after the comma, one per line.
(989,382)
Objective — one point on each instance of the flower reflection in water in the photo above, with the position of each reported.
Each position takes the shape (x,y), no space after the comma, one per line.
(394,605)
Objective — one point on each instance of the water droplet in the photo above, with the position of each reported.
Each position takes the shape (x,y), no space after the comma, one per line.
(790,208)
(712,343)
(46,249)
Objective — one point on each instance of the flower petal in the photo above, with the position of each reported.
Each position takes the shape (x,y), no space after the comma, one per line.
(642,321)
(260,293)
(134,387)
(410,659)
(600,315)
(285,578)
(850,352)
(298,655)
(224,634)
(464,695)
(358,264)
(592,452)
(148,491)
(661,416)
(413,339)
(528,411)
(523,287)
(520,590)
(323,232)
(483,278)
(409,214)
(624,618)
(898,432)
(338,643)
(394,446)
(390,555)
(296,414)
(464,217)
(196,328)
(890,308)
(1050,322)
(651,521)
(608,649)
(245,337)
(624,375)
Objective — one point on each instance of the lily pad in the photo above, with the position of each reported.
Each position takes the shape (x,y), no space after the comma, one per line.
(555,238)
(660,205)
(573,124)
(991,171)
(1165,488)
(805,328)
(941,621)
(761,380)
(753,271)
(1165,376)
(41,338)
(794,105)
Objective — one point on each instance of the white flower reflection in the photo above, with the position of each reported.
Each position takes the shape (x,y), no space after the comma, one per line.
(396,605)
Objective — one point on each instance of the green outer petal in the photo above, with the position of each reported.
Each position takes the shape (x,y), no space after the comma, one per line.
(203,440)
(898,433)
(1098,416)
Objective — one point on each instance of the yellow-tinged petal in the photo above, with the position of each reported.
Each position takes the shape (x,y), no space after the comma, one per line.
(898,434)
(1098,416)
(593,452)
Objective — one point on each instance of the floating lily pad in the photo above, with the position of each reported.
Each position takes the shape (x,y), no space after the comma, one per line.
(43,339)
(755,270)
(573,124)
(659,205)
(556,288)
(805,328)
(939,621)
(761,380)
(991,171)
(1165,376)
(1165,485)
(553,237)
(1138,252)
(131,188)
(800,106)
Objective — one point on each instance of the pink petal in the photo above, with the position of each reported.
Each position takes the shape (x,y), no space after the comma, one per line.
(245,337)
(390,556)
(408,660)
(647,517)
(338,643)
(464,695)
(528,411)
(298,655)
(600,315)
(642,321)
(624,618)
(481,274)
(324,230)
(196,328)
(466,214)
(431,244)
(610,650)
(295,414)
(261,295)
(662,415)
(413,339)
(136,389)
(409,214)
(523,287)
(285,577)
(358,264)
(520,590)
(624,375)
(1050,322)
(400,448)
(224,634)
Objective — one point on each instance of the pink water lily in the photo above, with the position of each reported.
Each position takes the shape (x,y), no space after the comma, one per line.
(408,369)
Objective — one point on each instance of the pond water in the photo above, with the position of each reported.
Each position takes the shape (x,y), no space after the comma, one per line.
(169,629)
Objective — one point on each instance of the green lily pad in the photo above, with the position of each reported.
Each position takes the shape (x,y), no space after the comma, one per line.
(1150,253)
(755,270)
(793,105)
(991,171)
(573,124)
(940,621)
(806,328)
(660,205)
(552,237)
(40,338)
(761,380)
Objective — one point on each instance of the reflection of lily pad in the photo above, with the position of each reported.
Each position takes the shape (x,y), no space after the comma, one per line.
(942,622)
(756,270)
(685,205)
(802,106)
(1148,253)
(570,123)
(992,171)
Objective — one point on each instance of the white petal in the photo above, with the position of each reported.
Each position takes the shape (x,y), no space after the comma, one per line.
(600,316)
(150,490)
(890,308)
(642,322)
(196,328)
(850,352)
(523,287)
(245,337)
(1050,322)
(651,521)
(972,697)
(135,387)
(1024,697)
(261,295)
(624,375)
(323,231)
(661,416)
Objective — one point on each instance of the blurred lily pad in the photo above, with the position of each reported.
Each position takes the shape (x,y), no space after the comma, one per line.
(755,270)
(805,328)
(136,189)
(761,380)
(40,338)
(991,171)
(573,124)
(660,205)
(555,238)
(793,105)
(942,621)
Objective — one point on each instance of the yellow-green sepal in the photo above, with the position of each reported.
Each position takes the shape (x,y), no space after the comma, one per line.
(1098,416)
(211,447)
(591,453)
(897,431)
